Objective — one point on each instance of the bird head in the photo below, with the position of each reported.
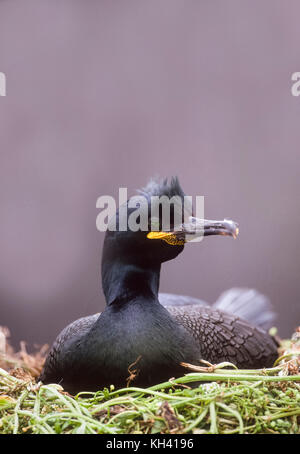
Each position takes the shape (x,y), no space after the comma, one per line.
(154,225)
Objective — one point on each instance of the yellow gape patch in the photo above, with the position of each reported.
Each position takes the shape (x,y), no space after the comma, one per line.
(168,237)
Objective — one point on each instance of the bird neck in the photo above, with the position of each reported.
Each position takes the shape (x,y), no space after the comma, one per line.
(123,282)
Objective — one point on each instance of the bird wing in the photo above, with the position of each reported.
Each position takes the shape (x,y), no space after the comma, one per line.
(224,337)
(51,367)
(248,304)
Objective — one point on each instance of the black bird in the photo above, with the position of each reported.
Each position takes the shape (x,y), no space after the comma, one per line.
(154,333)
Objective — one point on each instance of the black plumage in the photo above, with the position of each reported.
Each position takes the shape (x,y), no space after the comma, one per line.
(154,333)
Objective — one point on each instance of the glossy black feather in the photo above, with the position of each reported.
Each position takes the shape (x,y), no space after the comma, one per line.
(138,337)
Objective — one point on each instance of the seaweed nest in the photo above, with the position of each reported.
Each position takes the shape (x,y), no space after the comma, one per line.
(226,400)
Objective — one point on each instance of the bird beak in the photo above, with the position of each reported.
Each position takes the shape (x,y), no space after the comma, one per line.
(195,229)
(207,227)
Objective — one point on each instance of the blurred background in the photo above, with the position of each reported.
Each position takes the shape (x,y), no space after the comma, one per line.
(106,94)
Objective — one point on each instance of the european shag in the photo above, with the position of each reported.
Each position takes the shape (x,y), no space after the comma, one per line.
(151,332)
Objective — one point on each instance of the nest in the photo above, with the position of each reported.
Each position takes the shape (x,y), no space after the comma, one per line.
(225,400)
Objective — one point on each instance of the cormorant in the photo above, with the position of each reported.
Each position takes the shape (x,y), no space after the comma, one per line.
(154,333)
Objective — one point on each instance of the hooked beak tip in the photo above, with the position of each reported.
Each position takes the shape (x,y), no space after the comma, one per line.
(235,233)
(227,227)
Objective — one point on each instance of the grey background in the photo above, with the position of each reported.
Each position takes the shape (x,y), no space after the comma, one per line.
(103,94)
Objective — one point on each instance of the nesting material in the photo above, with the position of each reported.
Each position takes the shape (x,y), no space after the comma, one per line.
(226,400)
